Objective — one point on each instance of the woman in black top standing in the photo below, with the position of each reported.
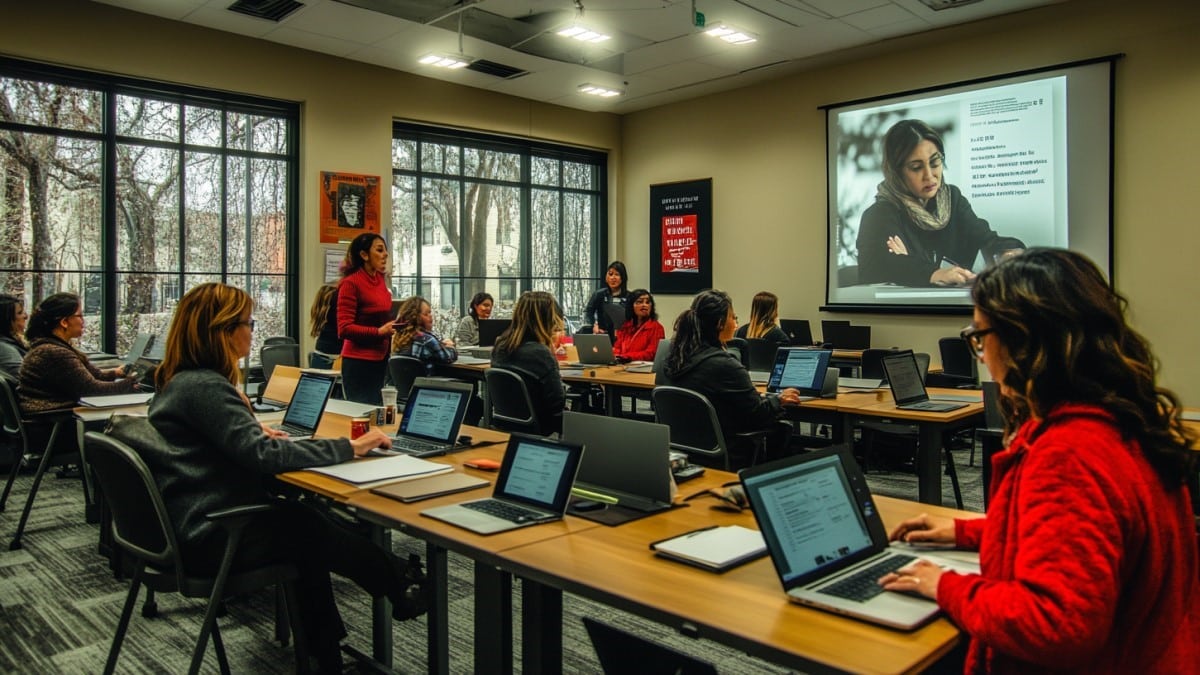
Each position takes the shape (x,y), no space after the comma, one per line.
(615,292)
(323,316)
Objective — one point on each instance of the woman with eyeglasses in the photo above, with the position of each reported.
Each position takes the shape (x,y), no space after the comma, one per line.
(922,231)
(54,374)
(364,318)
(13,346)
(214,466)
(1088,552)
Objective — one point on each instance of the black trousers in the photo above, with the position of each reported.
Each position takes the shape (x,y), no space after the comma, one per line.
(362,380)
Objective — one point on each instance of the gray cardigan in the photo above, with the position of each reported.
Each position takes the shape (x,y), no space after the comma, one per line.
(11,355)
(222,458)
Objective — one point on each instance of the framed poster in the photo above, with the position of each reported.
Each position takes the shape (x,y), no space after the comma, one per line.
(681,237)
(349,206)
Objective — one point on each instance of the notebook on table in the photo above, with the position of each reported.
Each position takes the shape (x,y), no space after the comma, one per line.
(904,377)
(432,417)
(594,350)
(533,487)
(308,404)
(660,359)
(806,370)
(490,329)
(628,461)
(827,541)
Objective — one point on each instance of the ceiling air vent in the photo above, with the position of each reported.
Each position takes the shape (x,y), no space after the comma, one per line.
(271,10)
(496,69)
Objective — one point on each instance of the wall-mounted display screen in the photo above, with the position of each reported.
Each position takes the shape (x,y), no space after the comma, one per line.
(928,188)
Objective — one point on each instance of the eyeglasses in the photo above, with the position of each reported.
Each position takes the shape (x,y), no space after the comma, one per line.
(974,337)
(246,323)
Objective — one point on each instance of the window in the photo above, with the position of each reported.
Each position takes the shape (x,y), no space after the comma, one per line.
(132,192)
(495,214)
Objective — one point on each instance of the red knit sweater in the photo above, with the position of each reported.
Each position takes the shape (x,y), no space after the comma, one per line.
(364,304)
(640,343)
(1088,564)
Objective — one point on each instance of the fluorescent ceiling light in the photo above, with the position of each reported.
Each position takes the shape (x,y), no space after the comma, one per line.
(451,61)
(731,34)
(596,90)
(583,34)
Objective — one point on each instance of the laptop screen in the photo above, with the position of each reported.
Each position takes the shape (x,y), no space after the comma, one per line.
(308,402)
(904,378)
(138,348)
(802,369)
(811,516)
(434,414)
(490,329)
(538,472)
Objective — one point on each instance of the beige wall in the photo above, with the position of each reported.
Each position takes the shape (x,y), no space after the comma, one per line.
(764,148)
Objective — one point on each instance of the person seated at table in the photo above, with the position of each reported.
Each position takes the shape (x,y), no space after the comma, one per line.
(220,466)
(637,338)
(415,337)
(698,361)
(527,347)
(54,374)
(323,317)
(467,333)
(1088,552)
(12,335)
(764,320)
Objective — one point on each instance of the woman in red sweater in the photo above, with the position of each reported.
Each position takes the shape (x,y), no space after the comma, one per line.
(1089,548)
(638,337)
(364,318)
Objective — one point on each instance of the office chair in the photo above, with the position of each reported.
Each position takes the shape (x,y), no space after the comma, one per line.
(990,437)
(960,368)
(278,354)
(621,652)
(403,370)
(696,430)
(61,447)
(871,366)
(508,404)
(761,353)
(279,340)
(142,528)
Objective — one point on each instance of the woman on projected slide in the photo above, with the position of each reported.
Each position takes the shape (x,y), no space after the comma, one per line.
(921,231)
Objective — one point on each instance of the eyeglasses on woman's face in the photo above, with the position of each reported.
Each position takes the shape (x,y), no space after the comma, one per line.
(974,337)
(249,323)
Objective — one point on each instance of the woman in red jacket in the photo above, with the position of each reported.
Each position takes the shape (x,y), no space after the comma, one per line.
(638,337)
(1089,548)
(364,318)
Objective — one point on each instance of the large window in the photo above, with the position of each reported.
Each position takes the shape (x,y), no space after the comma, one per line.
(129,193)
(497,215)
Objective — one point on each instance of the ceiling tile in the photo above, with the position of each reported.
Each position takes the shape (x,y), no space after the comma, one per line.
(878,17)
(839,8)
(344,22)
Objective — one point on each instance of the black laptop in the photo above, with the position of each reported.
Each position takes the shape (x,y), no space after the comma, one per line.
(432,417)
(806,370)
(490,329)
(904,377)
(799,331)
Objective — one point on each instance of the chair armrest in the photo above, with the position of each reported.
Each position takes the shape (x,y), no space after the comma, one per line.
(237,516)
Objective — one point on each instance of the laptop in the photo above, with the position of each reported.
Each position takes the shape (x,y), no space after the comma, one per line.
(804,369)
(158,348)
(827,541)
(533,487)
(308,404)
(799,331)
(847,336)
(660,359)
(627,460)
(490,329)
(432,417)
(908,390)
(137,350)
(594,350)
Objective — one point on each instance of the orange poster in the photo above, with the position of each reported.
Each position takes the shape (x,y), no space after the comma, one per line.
(349,206)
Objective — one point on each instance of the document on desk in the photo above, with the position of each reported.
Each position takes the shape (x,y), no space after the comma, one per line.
(716,549)
(116,400)
(365,472)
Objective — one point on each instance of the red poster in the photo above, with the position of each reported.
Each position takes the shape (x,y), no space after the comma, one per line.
(680,244)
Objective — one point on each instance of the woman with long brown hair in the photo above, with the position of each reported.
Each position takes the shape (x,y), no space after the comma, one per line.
(527,347)
(764,320)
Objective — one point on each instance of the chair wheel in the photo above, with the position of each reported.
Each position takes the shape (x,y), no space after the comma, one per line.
(150,610)
(15,545)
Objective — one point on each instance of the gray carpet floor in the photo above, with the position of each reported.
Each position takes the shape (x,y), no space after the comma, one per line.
(59,603)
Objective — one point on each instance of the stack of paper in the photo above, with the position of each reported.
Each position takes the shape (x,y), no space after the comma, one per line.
(400,467)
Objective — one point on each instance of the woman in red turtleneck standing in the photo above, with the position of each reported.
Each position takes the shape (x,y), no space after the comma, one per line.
(364,318)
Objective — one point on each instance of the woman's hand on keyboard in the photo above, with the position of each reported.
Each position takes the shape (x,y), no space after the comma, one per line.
(924,529)
(920,577)
(272,432)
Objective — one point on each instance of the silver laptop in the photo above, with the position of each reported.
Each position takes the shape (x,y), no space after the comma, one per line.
(660,359)
(827,541)
(627,460)
(432,417)
(533,487)
(806,370)
(594,350)
(137,350)
(904,377)
(308,404)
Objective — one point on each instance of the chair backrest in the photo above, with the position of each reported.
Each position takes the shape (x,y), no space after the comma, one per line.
(762,353)
(741,349)
(509,404)
(140,523)
(872,363)
(282,354)
(993,415)
(403,369)
(10,410)
(957,358)
(280,340)
(693,421)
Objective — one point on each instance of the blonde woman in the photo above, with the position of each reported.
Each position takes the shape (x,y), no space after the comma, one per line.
(527,348)
(764,320)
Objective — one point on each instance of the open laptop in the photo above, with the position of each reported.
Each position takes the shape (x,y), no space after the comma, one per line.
(846,336)
(158,348)
(533,487)
(660,359)
(308,404)
(806,370)
(627,460)
(827,541)
(431,419)
(904,377)
(799,331)
(594,350)
(137,350)
(490,329)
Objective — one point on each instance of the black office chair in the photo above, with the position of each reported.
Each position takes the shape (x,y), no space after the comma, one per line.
(761,353)
(279,340)
(620,652)
(960,368)
(871,366)
(696,430)
(142,528)
(24,432)
(829,330)
(278,354)
(990,437)
(741,349)
(403,370)
(509,406)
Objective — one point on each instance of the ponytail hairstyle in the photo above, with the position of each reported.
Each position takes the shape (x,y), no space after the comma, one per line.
(49,313)
(359,245)
(698,327)
(408,320)
(764,312)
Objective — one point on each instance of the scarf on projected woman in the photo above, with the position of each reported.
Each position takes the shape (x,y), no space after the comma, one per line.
(894,190)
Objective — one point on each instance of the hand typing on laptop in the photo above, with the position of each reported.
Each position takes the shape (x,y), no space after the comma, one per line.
(369,441)
(922,576)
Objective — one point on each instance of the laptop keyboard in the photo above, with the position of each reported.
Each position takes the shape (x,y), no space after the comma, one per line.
(412,446)
(864,584)
(513,514)
(293,432)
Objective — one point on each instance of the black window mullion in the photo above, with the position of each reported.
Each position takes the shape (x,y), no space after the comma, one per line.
(108,227)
